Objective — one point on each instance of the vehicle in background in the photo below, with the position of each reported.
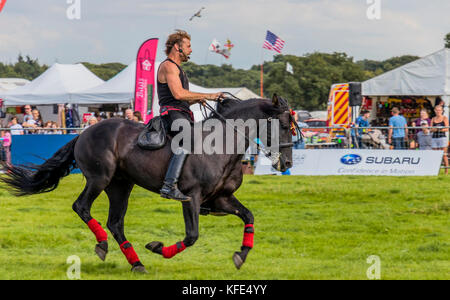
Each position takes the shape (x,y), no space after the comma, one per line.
(316,132)
(303,115)
(314,123)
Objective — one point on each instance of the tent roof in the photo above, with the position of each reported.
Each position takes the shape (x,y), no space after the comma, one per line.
(53,86)
(76,84)
(8,84)
(428,76)
(120,89)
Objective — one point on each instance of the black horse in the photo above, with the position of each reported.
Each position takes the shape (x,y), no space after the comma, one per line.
(111,161)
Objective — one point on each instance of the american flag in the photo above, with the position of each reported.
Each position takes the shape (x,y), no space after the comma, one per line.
(273,42)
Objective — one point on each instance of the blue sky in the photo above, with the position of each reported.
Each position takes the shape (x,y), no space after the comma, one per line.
(112,30)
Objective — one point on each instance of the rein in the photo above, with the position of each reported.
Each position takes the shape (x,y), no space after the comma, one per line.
(273,156)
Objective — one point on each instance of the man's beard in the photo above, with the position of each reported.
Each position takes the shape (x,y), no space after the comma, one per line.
(184,57)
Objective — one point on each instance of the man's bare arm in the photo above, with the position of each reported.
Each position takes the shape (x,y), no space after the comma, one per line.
(172,76)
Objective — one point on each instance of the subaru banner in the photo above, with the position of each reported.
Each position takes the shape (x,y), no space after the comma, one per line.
(359,162)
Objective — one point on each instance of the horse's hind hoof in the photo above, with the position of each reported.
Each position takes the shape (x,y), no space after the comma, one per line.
(155,247)
(238,261)
(139,268)
(102,249)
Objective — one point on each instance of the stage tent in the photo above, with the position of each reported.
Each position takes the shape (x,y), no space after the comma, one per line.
(428,76)
(56,85)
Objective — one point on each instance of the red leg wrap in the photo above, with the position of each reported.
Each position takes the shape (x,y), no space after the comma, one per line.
(97,229)
(249,232)
(171,251)
(128,251)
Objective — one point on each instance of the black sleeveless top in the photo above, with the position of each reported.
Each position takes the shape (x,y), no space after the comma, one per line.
(165,96)
(438,134)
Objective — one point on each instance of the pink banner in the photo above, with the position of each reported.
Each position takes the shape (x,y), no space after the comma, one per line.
(145,79)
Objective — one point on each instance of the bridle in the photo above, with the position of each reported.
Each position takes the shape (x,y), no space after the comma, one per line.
(274,156)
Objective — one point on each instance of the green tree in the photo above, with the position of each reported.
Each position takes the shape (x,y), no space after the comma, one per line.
(447,40)
(105,71)
(28,68)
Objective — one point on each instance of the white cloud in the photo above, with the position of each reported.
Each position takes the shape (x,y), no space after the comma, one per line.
(113,30)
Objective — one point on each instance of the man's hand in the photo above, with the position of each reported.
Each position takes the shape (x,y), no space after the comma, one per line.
(216,96)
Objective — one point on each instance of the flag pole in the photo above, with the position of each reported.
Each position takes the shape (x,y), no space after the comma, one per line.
(262,74)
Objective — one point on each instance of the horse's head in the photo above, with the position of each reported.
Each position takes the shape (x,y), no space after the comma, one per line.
(276,109)
(279,109)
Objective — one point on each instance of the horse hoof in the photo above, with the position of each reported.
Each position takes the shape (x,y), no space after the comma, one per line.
(238,261)
(139,269)
(102,249)
(155,247)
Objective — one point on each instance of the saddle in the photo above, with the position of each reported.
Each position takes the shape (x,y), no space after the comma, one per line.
(154,136)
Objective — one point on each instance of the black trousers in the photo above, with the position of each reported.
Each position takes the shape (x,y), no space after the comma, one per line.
(173,115)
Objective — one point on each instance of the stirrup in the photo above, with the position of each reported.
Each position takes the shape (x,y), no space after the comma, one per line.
(172,192)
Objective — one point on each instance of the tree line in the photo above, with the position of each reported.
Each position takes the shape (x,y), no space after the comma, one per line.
(307,88)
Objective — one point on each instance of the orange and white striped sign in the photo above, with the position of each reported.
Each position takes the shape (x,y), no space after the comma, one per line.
(338,106)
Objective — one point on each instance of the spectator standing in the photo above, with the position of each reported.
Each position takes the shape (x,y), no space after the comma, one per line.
(129,114)
(54,126)
(440,140)
(361,122)
(91,121)
(48,128)
(27,113)
(424,116)
(6,138)
(398,131)
(438,102)
(35,123)
(138,117)
(16,128)
(424,136)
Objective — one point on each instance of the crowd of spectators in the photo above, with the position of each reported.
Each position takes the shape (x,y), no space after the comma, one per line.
(427,134)
(32,123)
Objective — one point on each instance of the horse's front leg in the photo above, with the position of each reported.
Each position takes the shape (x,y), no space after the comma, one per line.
(231,205)
(191,211)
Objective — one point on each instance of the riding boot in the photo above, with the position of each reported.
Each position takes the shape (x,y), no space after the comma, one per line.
(170,188)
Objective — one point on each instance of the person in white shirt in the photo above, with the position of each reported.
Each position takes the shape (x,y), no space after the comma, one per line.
(16,127)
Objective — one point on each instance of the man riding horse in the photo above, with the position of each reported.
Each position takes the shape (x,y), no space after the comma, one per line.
(111,160)
(174,99)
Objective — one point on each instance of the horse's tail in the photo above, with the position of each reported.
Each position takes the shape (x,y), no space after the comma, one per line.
(34,179)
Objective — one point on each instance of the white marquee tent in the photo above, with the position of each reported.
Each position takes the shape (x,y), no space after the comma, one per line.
(120,89)
(76,84)
(56,85)
(428,76)
(9,84)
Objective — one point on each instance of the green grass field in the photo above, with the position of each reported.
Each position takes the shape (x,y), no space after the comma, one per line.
(305,228)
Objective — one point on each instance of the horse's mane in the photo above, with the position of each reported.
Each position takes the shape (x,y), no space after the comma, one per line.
(229,106)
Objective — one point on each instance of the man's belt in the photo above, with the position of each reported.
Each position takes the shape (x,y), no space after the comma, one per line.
(164,110)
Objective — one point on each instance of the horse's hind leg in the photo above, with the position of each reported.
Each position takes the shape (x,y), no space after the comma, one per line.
(82,206)
(118,192)
(231,205)
(191,211)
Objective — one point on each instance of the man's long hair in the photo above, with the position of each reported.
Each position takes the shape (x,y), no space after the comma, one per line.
(176,38)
